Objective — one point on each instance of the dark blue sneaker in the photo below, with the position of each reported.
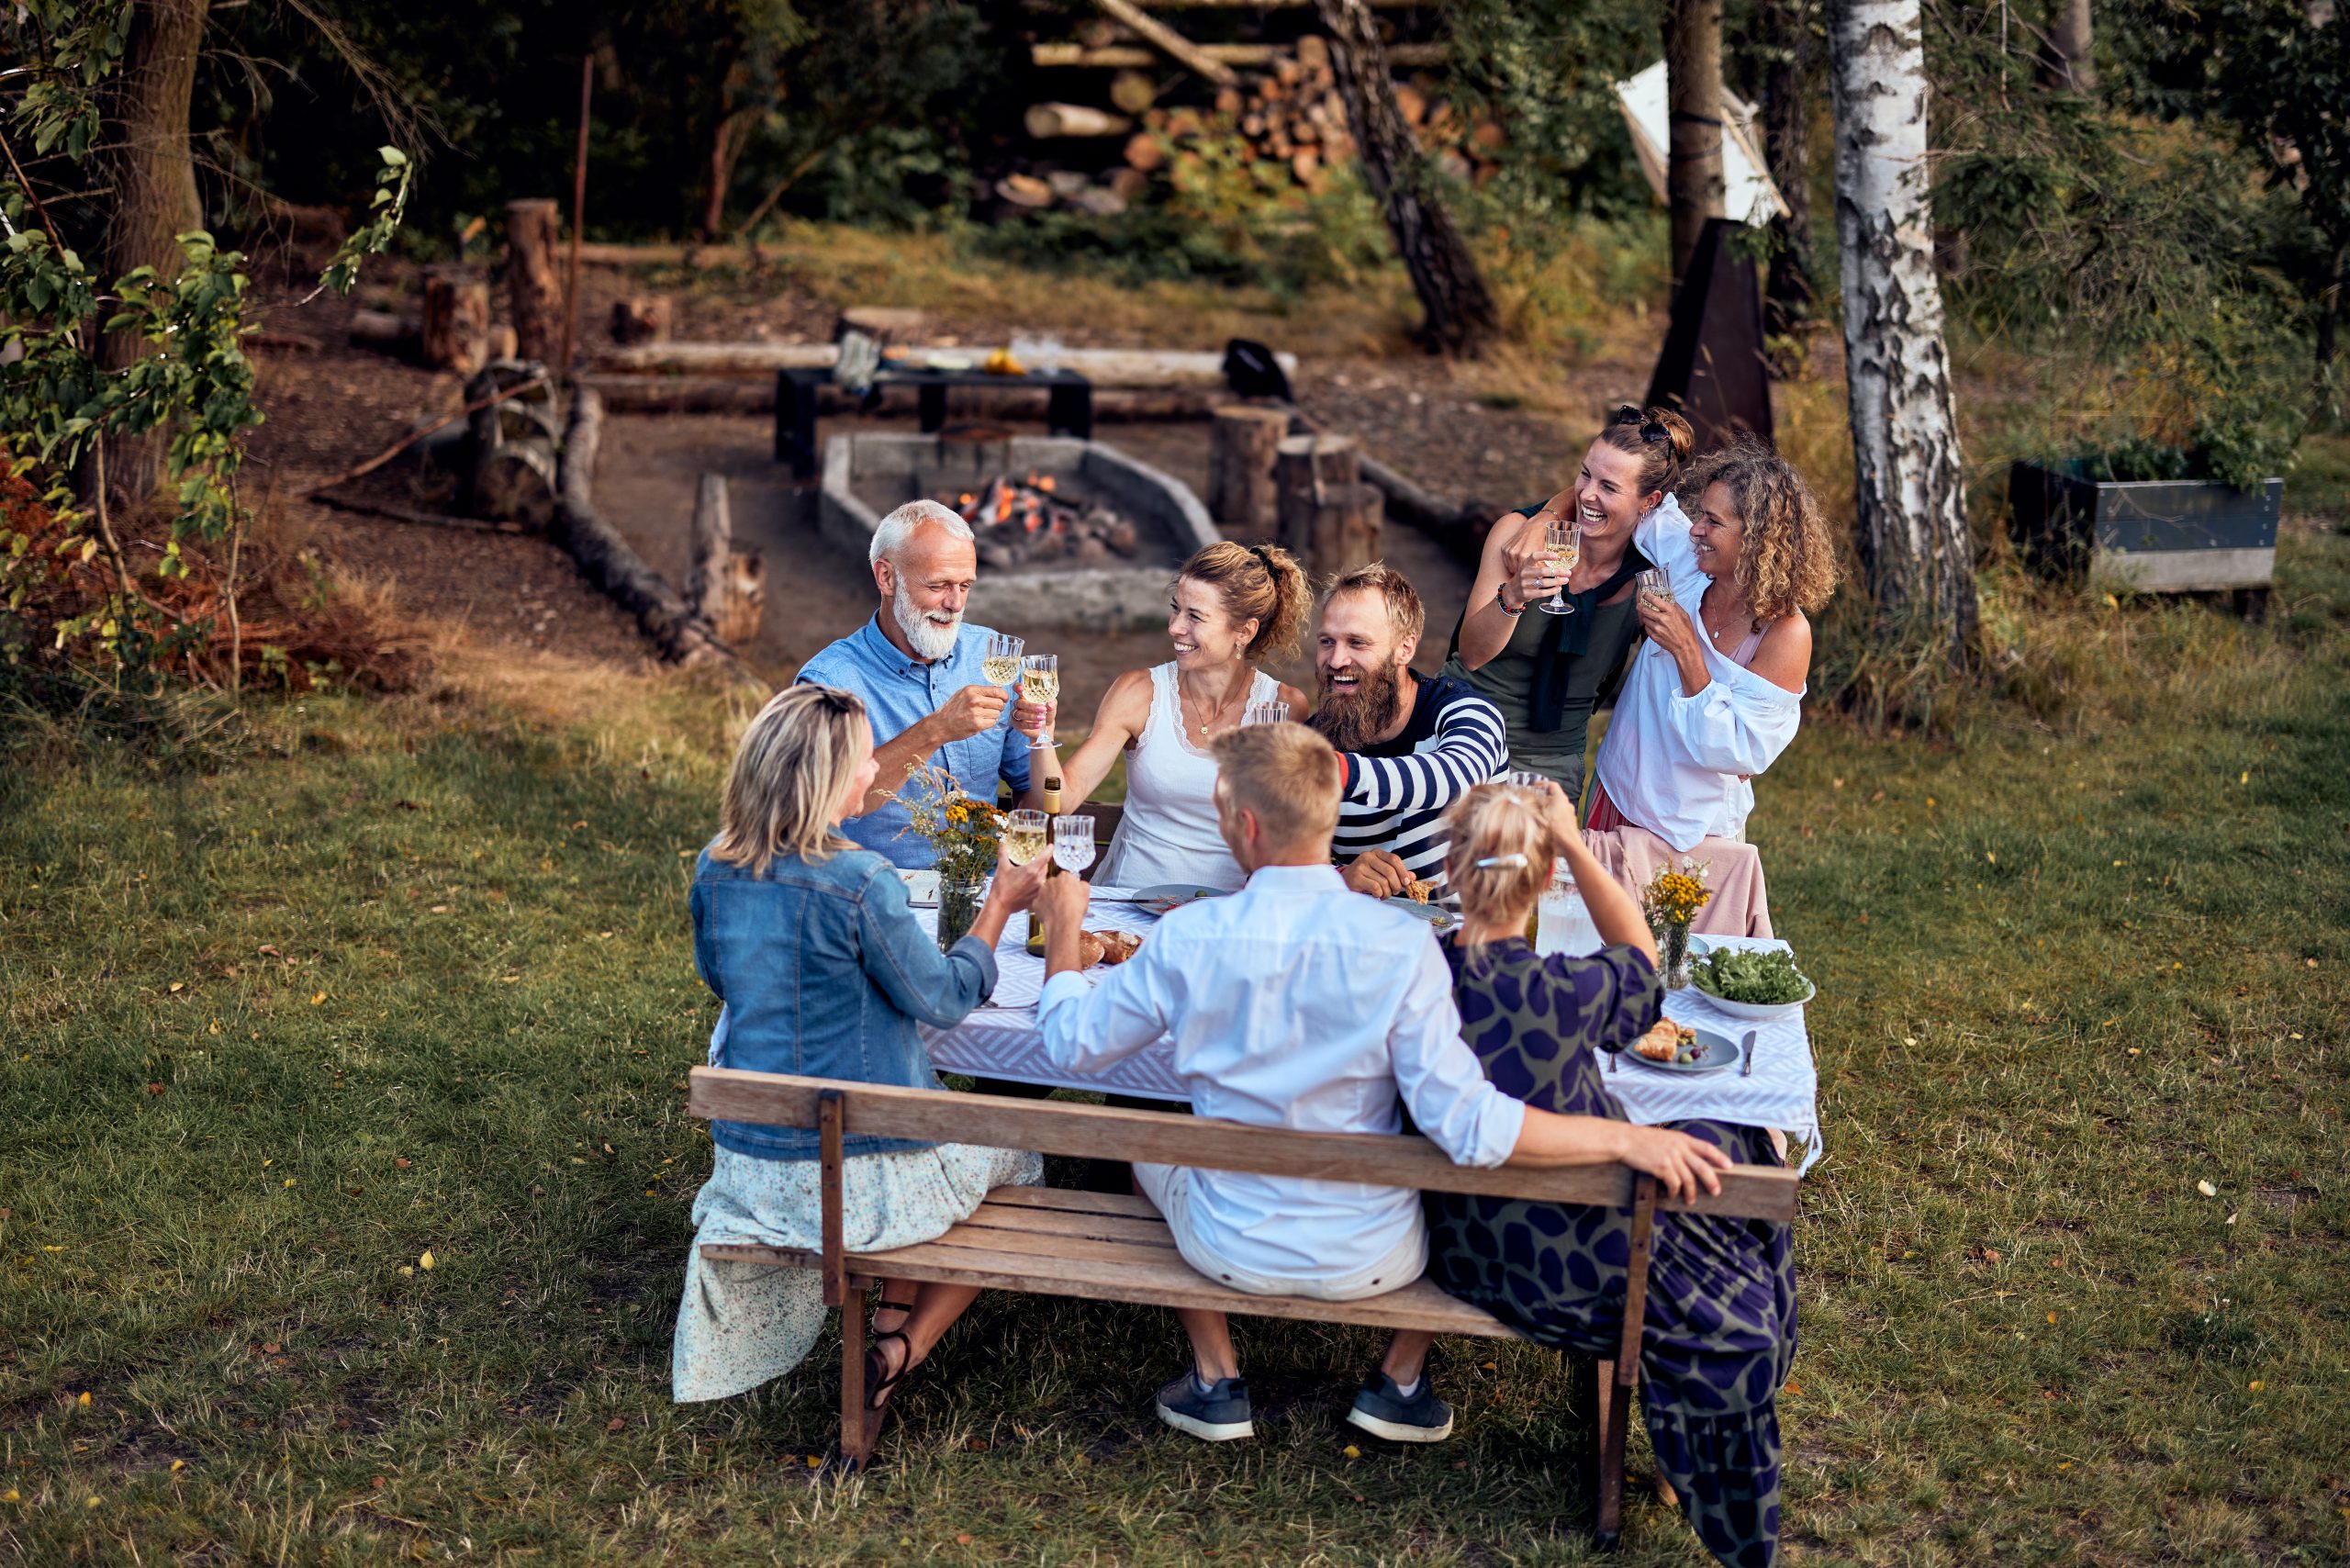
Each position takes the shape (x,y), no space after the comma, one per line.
(1381,1410)
(1219,1416)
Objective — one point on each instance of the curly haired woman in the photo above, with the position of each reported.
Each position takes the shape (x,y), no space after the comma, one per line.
(1717,693)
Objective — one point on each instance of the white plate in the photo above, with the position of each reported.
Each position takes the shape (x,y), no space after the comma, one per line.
(1165,896)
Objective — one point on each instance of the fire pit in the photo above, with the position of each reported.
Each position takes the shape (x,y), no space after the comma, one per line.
(1071,532)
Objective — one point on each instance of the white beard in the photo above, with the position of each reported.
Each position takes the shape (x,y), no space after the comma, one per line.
(931,640)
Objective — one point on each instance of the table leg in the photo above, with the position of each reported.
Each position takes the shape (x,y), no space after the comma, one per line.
(932,403)
(1068,411)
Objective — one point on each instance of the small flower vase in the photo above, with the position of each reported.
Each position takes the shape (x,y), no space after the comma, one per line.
(958,905)
(1672,952)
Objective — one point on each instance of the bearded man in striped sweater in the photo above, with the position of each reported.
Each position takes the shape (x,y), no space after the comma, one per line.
(1413,745)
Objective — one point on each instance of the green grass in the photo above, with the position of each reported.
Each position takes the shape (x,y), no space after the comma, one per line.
(2070,967)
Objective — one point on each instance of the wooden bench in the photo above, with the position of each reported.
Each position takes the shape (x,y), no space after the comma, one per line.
(1097,1247)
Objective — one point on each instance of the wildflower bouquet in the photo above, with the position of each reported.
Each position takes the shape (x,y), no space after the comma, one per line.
(962,833)
(1671,901)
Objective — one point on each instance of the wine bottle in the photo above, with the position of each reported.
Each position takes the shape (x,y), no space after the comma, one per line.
(1036,921)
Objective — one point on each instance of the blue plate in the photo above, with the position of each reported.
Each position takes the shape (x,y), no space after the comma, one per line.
(1716,1053)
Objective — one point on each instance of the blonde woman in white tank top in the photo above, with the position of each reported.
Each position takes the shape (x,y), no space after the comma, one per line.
(1231,607)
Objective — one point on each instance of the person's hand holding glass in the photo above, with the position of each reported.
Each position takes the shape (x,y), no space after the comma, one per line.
(1565,542)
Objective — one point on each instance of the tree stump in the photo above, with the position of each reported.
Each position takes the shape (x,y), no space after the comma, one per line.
(1243,441)
(725,587)
(1329,520)
(534,298)
(455,328)
(641,319)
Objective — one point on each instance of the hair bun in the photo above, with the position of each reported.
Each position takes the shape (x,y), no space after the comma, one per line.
(1678,432)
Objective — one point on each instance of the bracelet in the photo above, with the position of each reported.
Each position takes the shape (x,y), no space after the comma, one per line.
(1504,605)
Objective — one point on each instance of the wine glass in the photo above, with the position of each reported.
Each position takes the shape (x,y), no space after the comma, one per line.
(1265,714)
(1655,584)
(1565,542)
(1024,836)
(999,661)
(1040,681)
(1072,843)
(1524,778)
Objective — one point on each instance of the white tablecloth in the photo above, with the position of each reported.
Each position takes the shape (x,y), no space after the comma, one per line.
(1000,1040)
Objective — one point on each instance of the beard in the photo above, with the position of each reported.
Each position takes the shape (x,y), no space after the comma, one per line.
(933,637)
(1353,721)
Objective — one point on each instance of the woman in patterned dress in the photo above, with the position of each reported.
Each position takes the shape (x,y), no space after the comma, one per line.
(1719,1329)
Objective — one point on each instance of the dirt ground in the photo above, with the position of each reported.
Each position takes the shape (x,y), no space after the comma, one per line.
(333,406)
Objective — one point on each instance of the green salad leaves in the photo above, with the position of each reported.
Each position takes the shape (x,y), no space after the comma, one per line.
(1762,979)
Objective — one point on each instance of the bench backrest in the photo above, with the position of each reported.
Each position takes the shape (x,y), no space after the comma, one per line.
(1748,1192)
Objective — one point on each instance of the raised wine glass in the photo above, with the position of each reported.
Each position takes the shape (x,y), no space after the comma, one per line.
(1040,681)
(1000,661)
(1565,542)
(1073,843)
(1025,836)
(1655,584)
(1265,714)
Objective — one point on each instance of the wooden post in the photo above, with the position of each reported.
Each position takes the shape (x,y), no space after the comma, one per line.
(725,587)
(579,220)
(535,298)
(1329,520)
(1243,441)
(641,319)
(456,318)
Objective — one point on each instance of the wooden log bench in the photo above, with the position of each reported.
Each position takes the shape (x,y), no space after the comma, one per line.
(1047,1241)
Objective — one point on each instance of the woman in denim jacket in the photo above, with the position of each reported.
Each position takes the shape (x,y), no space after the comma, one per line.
(808,942)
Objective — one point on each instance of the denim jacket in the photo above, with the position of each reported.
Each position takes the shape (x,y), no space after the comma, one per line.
(826,972)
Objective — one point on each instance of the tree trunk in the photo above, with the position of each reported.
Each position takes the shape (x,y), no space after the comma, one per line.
(1693,180)
(1461,316)
(1241,444)
(2329,318)
(456,325)
(1912,485)
(154,200)
(533,296)
(1329,521)
(1791,299)
(2070,64)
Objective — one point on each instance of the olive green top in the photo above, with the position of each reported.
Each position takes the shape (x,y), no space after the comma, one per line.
(1507,679)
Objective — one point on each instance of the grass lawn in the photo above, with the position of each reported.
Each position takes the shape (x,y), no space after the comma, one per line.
(343,1177)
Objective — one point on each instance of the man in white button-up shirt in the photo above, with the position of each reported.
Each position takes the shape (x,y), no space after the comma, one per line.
(1294,1003)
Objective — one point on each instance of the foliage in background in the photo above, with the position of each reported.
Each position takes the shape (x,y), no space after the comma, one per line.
(1546,70)
(2150,261)
(59,405)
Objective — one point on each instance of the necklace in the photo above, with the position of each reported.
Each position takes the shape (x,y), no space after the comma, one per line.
(1183,699)
(1705,603)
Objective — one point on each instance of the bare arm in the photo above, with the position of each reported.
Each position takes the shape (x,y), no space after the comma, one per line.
(1784,658)
(1514,569)
(1124,710)
(969,712)
(1683,1164)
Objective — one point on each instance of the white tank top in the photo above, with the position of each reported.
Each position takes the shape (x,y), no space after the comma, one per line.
(1169,833)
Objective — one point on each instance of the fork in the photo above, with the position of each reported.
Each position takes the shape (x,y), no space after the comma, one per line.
(1746,1049)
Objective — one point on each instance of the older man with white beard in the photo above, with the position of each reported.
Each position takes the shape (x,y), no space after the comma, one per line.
(916,664)
(1412,745)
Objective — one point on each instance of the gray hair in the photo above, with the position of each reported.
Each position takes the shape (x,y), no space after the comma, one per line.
(891,536)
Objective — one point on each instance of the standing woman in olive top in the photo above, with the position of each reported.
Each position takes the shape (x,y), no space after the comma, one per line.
(1546,673)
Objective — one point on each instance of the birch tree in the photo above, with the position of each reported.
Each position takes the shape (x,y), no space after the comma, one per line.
(1911,486)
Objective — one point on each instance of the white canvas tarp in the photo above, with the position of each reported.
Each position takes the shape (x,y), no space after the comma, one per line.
(1748,193)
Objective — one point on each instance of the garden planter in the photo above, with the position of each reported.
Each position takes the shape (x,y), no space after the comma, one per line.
(2146,535)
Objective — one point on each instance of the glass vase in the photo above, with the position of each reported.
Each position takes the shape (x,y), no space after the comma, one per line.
(1672,952)
(958,905)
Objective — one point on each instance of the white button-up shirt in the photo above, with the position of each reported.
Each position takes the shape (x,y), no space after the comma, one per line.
(1295,1003)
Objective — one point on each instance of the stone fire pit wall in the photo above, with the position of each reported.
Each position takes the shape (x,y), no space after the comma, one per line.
(868,475)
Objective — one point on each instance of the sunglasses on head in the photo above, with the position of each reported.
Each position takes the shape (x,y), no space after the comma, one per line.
(1650,430)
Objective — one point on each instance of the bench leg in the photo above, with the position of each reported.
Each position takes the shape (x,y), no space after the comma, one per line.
(855,1441)
(1614,1425)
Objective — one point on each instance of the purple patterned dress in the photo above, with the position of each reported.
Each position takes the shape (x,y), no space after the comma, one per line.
(1719,1332)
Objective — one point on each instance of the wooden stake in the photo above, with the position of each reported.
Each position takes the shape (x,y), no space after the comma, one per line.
(579,213)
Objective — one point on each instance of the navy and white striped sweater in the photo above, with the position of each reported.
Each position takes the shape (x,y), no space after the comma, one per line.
(1398,791)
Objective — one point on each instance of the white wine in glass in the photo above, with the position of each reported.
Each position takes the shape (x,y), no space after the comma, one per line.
(1040,681)
(1000,661)
(1024,834)
(1565,539)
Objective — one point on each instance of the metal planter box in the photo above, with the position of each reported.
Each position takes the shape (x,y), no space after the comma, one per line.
(2149,535)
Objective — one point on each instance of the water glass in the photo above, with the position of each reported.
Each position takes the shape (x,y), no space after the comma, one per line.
(1072,843)
(1523,778)
(1265,714)
(1563,924)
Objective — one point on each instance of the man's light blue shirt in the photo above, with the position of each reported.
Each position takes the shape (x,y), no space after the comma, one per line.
(900,690)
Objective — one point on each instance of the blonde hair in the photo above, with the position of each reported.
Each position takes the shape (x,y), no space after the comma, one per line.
(1787,561)
(1499,822)
(1286,774)
(791,770)
(1405,612)
(1257,582)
